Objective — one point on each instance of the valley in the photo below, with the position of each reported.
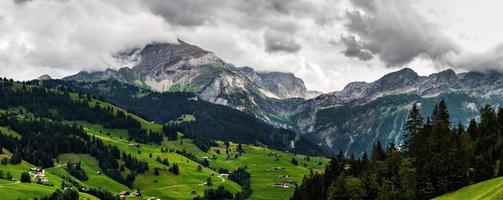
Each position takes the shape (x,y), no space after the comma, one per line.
(273,174)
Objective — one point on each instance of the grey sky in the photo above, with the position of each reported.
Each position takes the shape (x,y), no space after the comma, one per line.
(328,43)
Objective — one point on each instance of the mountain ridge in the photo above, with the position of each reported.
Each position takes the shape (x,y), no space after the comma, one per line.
(282,99)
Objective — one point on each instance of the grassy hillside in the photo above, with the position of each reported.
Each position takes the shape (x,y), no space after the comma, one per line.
(90,165)
(267,167)
(207,121)
(490,189)
(258,160)
(16,190)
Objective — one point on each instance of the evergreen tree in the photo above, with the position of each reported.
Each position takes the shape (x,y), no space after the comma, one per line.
(25,177)
(413,126)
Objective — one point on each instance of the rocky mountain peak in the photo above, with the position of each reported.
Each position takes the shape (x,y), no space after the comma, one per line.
(405,76)
(444,77)
(284,84)
(44,77)
(157,56)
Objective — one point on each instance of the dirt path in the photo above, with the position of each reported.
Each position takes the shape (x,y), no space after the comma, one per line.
(17,182)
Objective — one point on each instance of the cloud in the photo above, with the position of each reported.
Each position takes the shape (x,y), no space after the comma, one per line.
(280,42)
(183,12)
(354,49)
(21,1)
(394,32)
(491,59)
(328,43)
(64,37)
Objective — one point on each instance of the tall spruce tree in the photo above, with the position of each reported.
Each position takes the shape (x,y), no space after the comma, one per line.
(413,126)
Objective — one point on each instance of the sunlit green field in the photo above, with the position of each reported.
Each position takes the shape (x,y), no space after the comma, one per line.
(167,185)
(17,190)
(258,160)
(490,189)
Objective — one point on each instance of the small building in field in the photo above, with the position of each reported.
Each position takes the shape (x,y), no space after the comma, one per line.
(123,194)
(284,176)
(133,145)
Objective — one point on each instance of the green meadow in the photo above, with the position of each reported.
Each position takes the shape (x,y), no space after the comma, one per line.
(259,161)
(490,189)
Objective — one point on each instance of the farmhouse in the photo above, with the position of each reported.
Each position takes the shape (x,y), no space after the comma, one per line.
(38,174)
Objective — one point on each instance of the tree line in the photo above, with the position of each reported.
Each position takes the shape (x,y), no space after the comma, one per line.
(436,158)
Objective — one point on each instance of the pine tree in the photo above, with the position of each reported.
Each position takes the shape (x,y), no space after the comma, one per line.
(377,152)
(413,126)
(25,177)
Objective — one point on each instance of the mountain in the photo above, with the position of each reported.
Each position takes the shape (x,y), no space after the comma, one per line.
(353,119)
(56,143)
(166,67)
(350,120)
(210,121)
(44,77)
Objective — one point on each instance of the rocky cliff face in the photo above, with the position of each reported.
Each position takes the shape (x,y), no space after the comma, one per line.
(363,113)
(350,120)
(166,67)
(44,77)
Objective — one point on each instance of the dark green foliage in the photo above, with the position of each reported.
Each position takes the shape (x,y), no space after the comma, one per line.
(205,163)
(76,171)
(156,171)
(63,195)
(174,168)
(242,177)
(412,126)
(25,177)
(143,136)
(439,158)
(213,122)
(171,131)
(133,164)
(219,194)
(53,105)
(240,149)
(8,176)
(102,194)
(204,144)
(295,162)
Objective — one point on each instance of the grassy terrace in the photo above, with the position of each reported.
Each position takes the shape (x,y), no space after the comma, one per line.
(258,160)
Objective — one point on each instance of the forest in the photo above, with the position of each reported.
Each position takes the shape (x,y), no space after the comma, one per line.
(437,157)
(213,122)
(44,136)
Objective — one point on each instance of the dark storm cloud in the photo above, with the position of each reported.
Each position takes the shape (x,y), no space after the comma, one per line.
(394,32)
(276,16)
(248,14)
(184,12)
(280,42)
(21,1)
(354,49)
